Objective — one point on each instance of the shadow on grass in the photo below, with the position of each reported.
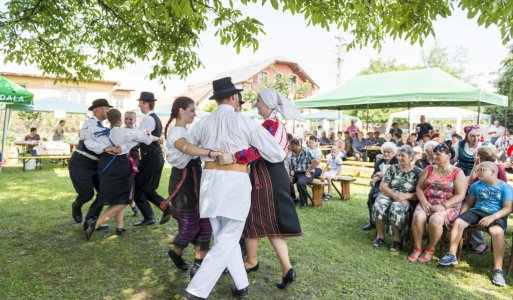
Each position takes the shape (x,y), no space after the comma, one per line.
(45,256)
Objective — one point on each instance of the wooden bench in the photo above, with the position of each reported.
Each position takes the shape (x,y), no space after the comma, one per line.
(345,191)
(317,190)
(64,159)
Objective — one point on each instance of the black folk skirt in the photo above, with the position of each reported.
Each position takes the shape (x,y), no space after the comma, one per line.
(272,211)
(115,179)
(184,187)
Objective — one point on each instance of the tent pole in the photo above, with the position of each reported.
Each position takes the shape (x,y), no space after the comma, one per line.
(4,135)
(367,121)
(409,121)
(478,112)
(339,121)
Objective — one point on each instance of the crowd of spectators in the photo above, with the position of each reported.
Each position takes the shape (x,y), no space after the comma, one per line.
(423,181)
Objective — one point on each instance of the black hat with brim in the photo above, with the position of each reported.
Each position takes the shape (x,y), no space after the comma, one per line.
(99,103)
(147,96)
(224,88)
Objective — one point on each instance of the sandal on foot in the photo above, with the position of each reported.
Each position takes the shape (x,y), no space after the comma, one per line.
(377,242)
(427,255)
(414,256)
(396,246)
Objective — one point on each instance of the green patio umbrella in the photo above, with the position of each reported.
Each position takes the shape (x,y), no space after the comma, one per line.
(13,95)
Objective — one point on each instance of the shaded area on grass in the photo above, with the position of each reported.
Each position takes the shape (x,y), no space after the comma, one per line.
(44,254)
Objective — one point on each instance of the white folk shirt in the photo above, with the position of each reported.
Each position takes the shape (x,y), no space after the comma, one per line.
(228,193)
(87,135)
(124,138)
(174,156)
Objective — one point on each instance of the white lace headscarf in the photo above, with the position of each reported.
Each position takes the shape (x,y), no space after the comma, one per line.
(276,101)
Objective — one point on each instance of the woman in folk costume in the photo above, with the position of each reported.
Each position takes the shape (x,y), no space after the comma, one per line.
(184,187)
(272,213)
(115,170)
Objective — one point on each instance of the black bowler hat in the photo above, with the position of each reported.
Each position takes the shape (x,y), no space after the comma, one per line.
(224,88)
(99,103)
(147,96)
(240,100)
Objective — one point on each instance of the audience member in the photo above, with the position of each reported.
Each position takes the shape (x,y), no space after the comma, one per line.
(428,157)
(389,151)
(412,140)
(378,140)
(348,141)
(303,168)
(441,189)
(423,128)
(397,191)
(359,143)
(334,163)
(495,131)
(58,131)
(395,129)
(448,132)
(488,204)
(353,129)
(403,141)
(324,140)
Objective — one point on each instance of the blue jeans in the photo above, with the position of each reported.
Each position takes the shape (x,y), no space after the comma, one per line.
(301,180)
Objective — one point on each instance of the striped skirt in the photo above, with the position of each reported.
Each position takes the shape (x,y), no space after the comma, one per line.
(184,200)
(272,211)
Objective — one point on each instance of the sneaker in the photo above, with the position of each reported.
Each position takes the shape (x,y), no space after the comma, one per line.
(448,260)
(498,277)
(303,206)
(327,198)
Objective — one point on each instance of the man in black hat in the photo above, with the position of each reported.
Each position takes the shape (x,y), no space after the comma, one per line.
(83,165)
(225,190)
(150,167)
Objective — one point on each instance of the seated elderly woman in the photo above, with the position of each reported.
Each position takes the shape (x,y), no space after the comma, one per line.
(397,191)
(440,191)
(389,150)
(428,158)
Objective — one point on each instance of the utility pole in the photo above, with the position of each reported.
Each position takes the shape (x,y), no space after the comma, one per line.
(340,58)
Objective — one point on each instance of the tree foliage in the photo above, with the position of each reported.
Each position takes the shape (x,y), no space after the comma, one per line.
(75,39)
(504,85)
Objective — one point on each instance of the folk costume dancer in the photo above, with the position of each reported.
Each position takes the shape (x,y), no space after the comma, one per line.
(150,168)
(115,170)
(83,165)
(225,190)
(184,187)
(272,213)
(130,122)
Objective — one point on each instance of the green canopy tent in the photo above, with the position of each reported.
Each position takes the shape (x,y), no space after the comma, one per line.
(58,104)
(330,115)
(14,96)
(413,88)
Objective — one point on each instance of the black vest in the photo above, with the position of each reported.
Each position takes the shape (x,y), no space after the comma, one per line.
(82,147)
(155,146)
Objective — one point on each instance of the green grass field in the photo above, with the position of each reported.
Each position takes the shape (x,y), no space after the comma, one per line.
(44,255)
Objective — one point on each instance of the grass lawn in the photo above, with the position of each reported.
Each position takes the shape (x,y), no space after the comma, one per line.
(44,255)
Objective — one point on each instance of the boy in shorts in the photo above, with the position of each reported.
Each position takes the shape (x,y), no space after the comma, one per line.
(335,162)
(488,204)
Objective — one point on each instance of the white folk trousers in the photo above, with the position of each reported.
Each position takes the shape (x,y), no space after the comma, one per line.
(224,254)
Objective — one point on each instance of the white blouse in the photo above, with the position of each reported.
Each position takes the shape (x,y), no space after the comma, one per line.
(174,156)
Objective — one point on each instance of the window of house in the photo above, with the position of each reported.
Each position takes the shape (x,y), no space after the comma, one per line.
(262,77)
(75,94)
(292,81)
(118,101)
